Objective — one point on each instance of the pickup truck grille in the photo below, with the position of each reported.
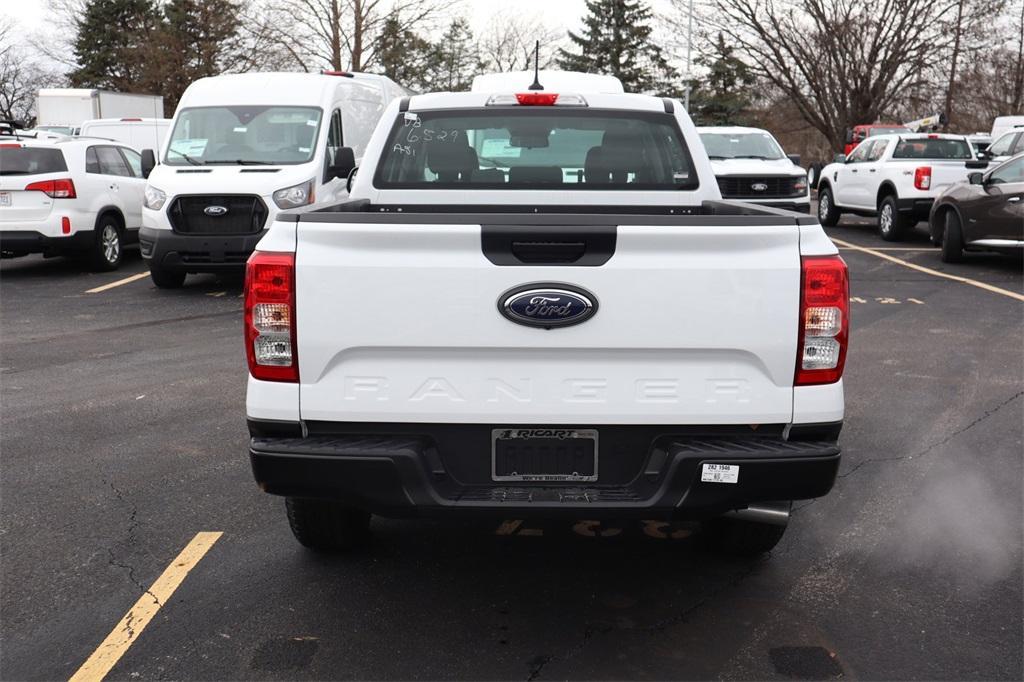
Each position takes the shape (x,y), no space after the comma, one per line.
(743,186)
(245,214)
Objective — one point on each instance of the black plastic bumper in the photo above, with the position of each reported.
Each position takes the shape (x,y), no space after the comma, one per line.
(197,253)
(920,208)
(408,475)
(804,207)
(21,242)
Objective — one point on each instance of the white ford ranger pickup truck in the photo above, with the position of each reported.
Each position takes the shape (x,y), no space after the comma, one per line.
(536,304)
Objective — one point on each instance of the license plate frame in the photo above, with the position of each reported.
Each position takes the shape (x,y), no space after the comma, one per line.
(6,199)
(549,437)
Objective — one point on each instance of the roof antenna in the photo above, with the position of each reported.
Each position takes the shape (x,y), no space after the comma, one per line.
(536,68)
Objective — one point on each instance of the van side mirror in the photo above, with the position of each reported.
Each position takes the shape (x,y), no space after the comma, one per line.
(344,163)
(795,158)
(148,162)
(976,179)
(839,158)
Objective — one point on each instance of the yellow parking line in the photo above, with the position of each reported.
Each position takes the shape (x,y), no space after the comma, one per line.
(126,280)
(929,271)
(109,652)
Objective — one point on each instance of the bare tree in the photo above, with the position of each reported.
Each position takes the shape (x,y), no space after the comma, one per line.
(508,41)
(841,62)
(342,34)
(21,77)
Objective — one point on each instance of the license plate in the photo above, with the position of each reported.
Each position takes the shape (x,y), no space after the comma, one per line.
(5,199)
(544,455)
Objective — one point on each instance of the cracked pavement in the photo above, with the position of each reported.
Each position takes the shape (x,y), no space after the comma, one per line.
(122,434)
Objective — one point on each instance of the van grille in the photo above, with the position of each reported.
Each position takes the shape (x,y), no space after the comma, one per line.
(742,186)
(246,214)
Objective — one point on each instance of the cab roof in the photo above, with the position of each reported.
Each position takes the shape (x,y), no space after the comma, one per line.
(272,88)
(730,130)
(478,100)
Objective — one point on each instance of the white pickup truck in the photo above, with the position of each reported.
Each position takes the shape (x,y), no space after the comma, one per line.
(895,177)
(537,305)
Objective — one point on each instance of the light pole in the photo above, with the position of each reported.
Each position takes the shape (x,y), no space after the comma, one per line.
(689,50)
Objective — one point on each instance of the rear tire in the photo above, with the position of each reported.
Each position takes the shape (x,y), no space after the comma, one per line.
(952,238)
(166,279)
(327,525)
(892,225)
(108,245)
(741,538)
(828,214)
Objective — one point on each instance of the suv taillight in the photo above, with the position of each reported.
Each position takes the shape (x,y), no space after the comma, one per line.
(55,189)
(923,177)
(824,320)
(270,340)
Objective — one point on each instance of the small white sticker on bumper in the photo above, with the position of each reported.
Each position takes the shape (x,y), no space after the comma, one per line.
(720,473)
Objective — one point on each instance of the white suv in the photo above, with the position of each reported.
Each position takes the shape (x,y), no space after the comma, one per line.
(73,196)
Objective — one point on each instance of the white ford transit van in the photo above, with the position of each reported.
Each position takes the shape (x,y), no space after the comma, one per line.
(243,147)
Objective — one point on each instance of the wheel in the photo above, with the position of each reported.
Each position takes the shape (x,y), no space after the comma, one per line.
(326,525)
(952,238)
(106,251)
(892,225)
(741,538)
(165,279)
(828,214)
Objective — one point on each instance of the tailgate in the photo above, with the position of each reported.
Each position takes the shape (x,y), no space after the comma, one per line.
(19,206)
(400,322)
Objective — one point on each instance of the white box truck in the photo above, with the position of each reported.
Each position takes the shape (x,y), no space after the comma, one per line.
(63,110)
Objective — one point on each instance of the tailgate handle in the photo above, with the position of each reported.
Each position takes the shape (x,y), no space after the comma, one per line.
(549,252)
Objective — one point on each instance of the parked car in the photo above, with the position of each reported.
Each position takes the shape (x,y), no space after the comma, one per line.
(749,165)
(137,133)
(1006,145)
(985,213)
(242,148)
(1002,124)
(536,303)
(73,197)
(894,177)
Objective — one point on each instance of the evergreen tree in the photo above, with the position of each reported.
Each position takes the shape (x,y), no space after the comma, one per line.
(115,46)
(722,96)
(403,56)
(199,38)
(455,59)
(616,40)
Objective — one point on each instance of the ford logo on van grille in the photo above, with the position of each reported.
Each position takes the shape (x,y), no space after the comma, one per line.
(215,211)
(547,305)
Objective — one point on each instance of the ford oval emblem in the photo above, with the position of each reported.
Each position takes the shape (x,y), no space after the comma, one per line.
(759,187)
(215,211)
(547,305)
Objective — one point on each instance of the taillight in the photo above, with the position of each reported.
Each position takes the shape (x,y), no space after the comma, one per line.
(923,177)
(56,189)
(270,340)
(824,320)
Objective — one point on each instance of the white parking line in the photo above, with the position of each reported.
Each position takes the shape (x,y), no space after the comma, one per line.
(126,280)
(929,271)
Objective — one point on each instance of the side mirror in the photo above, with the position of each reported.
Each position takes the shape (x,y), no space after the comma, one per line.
(344,164)
(849,136)
(795,158)
(976,179)
(148,162)
(839,158)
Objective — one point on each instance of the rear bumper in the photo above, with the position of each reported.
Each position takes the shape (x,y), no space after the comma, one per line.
(406,474)
(919,208)
(197,253)
(21,242)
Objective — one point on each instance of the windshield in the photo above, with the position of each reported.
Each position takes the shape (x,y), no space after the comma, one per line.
(757,145)
(244,135)
(932,148)
(30,160)
(536,148)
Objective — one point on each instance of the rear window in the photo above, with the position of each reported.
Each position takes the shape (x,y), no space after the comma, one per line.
(932,149)
(535,148)
(31,160)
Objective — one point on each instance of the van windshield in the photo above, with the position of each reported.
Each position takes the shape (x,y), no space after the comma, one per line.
(243,135)
(741,146)
(535,148)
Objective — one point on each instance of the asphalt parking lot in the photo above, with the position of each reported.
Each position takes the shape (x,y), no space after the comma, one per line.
(123,436)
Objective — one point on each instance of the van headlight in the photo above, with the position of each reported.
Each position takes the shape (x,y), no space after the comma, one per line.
(295,196)
(154,198)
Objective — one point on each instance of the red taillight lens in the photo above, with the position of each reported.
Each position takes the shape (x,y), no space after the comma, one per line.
(824,320)
(536,99)
(270,339)
(56,189)
(923,177)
